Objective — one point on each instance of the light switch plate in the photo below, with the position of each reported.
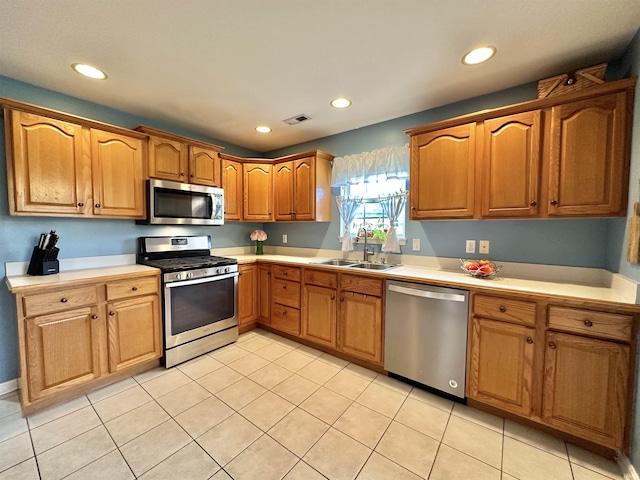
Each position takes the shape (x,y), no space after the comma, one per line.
(284,238)
(416,244)
(484,246)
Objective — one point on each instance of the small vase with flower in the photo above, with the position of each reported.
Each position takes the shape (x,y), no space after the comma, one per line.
(259,236)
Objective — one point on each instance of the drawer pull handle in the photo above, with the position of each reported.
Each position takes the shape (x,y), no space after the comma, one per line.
(529,340)
(112,313)
(284,287)
(588,323)
(98,205)
(284,273)
(135,289)
(552,345)
(503,308)
(94,316)
(284,312)
(80,204)
(64,300)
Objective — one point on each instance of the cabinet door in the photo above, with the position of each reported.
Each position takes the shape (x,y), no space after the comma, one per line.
(319,315)
(501,365)
(118,175)
(258,192)
(361,326)
(283,191)
(133,328)
(247,294)
(204,166)
(443,173)
(63,350)
(168,159)
(50,173)
(511,165)
(264,293)
(585,387)
(232,184)
(588,157)
(304,189)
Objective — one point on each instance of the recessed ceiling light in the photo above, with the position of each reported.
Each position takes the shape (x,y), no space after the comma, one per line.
(89,71)
(479,55)
(263,129)
(340,102)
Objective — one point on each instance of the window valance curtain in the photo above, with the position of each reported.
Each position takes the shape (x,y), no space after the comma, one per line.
(376,166)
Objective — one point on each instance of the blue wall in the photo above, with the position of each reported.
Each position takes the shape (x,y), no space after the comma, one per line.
(82,237)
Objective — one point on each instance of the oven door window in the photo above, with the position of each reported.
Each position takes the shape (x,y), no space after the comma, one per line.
(170,203)
(198,305)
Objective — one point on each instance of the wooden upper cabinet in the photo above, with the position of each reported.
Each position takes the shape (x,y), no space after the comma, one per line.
(204,166)
(304,189)
(232,185)
(443,173)
(283,191)
(48,172)
(511,165)
(118,175)
(168,159)
(258,192)
(588,167)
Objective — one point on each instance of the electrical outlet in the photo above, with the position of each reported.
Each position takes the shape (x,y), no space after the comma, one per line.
(284,238)
(416,244)
(484,246)
(470,246)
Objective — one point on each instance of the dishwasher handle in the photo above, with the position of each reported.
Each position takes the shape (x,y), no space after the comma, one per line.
(452,297)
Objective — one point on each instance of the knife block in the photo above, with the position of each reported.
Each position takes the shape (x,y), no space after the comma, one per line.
(44,262)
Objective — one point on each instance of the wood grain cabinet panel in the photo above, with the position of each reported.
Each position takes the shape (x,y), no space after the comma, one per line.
(283,191)
(320,315)
(285,318)
(592,323)
(506,309)
(586,387)
(264,294)
(501,365)
(360,326)
(588,157)
(247,294)
(304,189)
(59,300)
(232,184)
(168,159)
(443,166)
(118,175)
(48,172)
(511,165)
(258,192)
(204,166)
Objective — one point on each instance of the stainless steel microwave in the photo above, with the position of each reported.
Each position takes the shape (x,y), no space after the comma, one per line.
(175,203)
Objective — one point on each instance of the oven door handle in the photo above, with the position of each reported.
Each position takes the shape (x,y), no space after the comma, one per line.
(184,283)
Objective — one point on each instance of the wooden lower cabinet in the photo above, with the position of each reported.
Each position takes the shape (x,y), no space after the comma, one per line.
(501,365)
(361,326)
(74,336)
(247,294)
(264,294)
(585,387)
(319,315)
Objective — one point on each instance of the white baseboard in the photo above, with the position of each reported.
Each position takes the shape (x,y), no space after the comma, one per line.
(8,387)
(626,467)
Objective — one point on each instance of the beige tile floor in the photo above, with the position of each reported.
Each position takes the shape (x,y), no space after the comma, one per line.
(269,408)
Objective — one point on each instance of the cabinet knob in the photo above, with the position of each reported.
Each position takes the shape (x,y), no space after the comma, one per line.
(135,289)
(182,174)
(533,204)
(192,175)
(554,202)
(413,208)
(97,205)
(64,300)
(342,299)
(112,313)
(529,340)
(284,273)
(80,204)
(284,287)
(333,297)
(503,308)
(552,345)
(284,312)
(94,316)
(588,323)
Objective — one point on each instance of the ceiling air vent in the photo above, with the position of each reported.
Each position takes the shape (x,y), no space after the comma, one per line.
(297,119)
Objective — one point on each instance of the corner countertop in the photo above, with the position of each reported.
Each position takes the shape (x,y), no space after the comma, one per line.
(613,294)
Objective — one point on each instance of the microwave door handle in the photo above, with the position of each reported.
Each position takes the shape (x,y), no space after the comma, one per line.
(210,205)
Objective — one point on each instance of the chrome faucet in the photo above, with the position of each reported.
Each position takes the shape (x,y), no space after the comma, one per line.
(365,253)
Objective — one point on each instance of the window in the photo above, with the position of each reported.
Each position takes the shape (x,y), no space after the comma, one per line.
(369,214)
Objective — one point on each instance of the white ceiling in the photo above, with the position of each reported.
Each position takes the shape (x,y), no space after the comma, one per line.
(221,67)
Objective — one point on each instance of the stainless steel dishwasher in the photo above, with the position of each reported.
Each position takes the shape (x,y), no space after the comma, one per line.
(426,335)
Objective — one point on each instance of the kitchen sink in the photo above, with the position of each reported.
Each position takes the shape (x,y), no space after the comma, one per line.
(374,266)
(338,262)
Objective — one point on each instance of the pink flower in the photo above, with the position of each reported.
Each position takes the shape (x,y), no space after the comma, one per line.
(259,235)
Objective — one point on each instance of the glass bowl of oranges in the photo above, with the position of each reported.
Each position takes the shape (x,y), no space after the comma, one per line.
(480,268)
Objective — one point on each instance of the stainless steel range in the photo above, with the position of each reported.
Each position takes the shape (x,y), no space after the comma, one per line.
(199,295)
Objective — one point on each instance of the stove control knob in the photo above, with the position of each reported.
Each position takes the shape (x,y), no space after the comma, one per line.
(219,271)
(226,270)
(189,275)
(178,276)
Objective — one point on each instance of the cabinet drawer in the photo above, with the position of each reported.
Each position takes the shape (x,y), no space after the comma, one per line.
(286,292)
(600,324)
(288,273)
(61,300)
(285,318)
(364,285)
(515,311)
(132,287)
(322,279)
